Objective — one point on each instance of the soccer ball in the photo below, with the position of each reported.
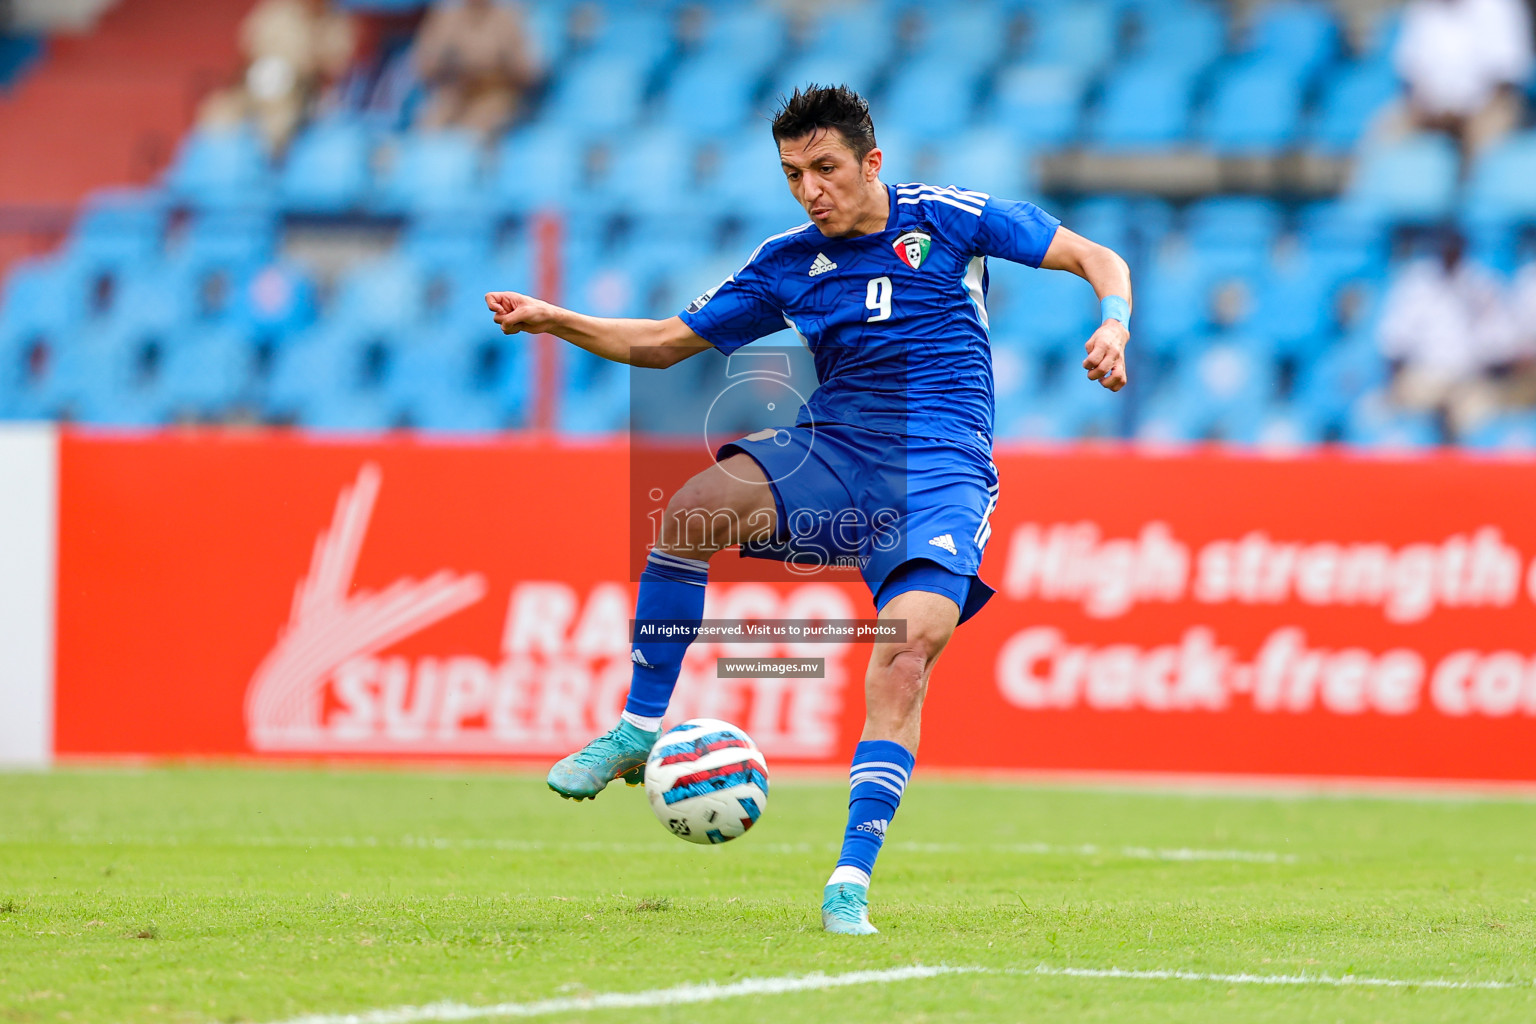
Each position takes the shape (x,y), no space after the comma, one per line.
(707,781)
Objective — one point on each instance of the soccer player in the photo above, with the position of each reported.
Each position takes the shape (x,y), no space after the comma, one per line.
(887,285)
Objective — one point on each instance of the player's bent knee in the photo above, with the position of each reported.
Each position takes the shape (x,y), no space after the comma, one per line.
(899,683)
(714,510)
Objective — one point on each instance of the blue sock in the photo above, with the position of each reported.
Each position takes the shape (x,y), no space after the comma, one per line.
(879,776)
(671,589)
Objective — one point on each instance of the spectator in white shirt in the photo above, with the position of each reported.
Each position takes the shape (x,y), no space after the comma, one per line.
(1463,62)
(1447,331)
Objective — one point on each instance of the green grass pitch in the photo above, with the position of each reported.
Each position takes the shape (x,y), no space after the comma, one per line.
(202,895)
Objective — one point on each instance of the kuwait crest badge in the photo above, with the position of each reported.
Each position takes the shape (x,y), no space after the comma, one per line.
(912,247)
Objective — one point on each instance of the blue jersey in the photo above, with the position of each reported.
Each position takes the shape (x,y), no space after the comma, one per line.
(896,320)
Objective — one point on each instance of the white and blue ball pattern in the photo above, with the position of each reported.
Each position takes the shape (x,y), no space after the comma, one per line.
(707,781)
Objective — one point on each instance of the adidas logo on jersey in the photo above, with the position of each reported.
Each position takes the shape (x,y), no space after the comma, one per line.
(874,828)
(946,542)
(821,265)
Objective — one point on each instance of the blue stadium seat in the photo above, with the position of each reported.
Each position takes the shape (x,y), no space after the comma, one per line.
(1293,304)
(823,69)
(348,413)
(1060,309)
(433,172)
(537,168)
(1039,102)
(594,397)
(1016,374)
(277,300)
(1073,407)
(1082,31)
(709,96)
(930,98)
(118,227)
(750,37)
(1343,237)
(749,183)
(221,168)
(159,297)
(1374,423)
(1188,36)
(1145,106)
(318,376)
(651,172)
(1104,219)
(860,35)
(384,294)
(326,171)
(1300,34)
(1278,428)
(972,32)
(1171,297)
(630,33)
(229,238)
(1503,183)
(1340,376)
(1507,432)
(598,94)
(1174,414)
(987,160)
(448,240)
(43,294)
(1413,180)
(205,371)
(1351,100)
(450,382)
(1224,220)
(1256,108)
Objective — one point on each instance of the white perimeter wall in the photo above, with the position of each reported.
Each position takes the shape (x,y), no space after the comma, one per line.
(28,498)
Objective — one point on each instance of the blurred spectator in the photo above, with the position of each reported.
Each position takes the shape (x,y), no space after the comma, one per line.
(1464,62)
(474,57)
(293,49)
(1447,331)
(1522,384)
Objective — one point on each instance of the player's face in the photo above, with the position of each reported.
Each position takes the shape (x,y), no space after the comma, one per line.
(841,193)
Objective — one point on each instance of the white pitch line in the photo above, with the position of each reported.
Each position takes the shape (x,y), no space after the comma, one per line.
(709,992)
(1342,981)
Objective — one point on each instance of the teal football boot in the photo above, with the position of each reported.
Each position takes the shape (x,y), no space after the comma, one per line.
(845,910)
(618,753)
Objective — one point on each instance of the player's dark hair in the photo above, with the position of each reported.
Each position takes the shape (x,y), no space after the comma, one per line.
(835,107)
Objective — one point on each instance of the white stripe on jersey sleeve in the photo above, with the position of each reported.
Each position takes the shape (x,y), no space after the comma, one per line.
(942,199)
(972,201)
(963,193)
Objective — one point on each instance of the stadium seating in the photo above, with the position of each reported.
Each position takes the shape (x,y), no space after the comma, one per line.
(207,299)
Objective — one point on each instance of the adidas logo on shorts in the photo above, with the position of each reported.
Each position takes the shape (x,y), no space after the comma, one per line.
(946,542)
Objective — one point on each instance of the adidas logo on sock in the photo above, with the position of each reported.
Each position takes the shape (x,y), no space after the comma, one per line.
(821,265)
(875,828)
(639,659)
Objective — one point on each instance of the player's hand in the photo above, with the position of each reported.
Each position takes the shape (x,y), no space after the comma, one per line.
(514,312)
(1106,355)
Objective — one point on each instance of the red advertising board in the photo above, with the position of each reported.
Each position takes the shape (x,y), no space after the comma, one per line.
(1198,612)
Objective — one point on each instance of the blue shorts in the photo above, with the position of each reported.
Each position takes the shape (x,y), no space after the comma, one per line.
(853,497)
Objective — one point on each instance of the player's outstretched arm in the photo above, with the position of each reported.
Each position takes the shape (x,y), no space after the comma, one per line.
(650,343)
(1103,268)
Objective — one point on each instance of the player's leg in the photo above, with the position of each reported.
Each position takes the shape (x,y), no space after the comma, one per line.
(724,505)
(894,687)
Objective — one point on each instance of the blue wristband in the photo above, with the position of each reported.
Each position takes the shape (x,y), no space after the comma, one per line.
(1113,307)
